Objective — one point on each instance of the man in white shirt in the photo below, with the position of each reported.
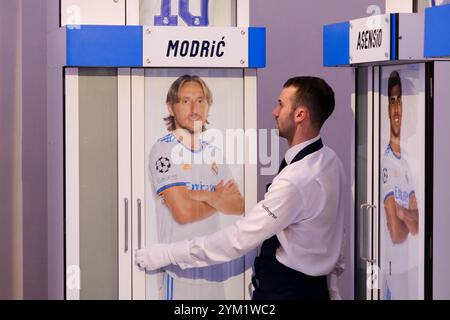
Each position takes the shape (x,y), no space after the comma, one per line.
(300,220)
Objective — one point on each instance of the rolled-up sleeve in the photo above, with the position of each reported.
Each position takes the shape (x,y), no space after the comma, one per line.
(282,206)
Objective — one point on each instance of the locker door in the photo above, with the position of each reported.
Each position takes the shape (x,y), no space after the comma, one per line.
(392,203)
(401,181)
(157,167)
(365,212)
(98,184)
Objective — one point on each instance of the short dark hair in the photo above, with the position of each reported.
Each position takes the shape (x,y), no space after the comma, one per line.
(394,80)
(316,95)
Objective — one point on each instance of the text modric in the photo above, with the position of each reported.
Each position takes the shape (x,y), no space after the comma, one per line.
(196,48)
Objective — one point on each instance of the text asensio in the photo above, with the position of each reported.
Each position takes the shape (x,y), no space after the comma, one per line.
(369,39)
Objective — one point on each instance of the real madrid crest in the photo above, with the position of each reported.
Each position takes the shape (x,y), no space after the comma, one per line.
(215,168)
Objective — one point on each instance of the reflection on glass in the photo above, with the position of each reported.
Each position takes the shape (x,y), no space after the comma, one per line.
(213,13)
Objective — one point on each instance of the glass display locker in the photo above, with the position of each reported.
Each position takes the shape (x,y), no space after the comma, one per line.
(119,140)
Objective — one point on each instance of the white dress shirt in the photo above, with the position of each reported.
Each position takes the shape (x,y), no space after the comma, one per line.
(303,207)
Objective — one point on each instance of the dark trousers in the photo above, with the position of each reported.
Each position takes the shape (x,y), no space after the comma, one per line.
(275,281)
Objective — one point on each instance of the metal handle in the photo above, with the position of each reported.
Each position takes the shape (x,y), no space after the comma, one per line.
(126,225)
(361,230)
(374,210)
(139,224)
(362,211)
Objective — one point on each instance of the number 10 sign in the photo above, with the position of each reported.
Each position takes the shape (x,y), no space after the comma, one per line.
(167,19)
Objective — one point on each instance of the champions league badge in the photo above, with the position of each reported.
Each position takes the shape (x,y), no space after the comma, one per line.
(163,165)
(215,169)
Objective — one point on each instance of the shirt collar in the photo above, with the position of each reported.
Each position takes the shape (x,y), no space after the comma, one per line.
(292,151)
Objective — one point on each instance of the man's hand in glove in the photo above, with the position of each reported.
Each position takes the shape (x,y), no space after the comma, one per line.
(153,257)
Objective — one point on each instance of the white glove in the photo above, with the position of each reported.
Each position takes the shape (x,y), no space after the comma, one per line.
(153,257)
(333,288)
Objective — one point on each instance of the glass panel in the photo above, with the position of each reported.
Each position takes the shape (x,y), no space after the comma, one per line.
(362,134)
(213,13)
(402,181)
(187,148)
(98,183)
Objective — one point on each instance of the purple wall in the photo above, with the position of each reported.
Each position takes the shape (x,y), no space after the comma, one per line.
(8,11)
(34,166)
(34,149)
(294,47)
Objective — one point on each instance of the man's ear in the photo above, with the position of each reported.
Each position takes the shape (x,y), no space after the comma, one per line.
(170,110)
(301,113)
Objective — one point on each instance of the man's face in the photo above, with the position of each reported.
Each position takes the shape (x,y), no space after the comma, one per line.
(284,113)
(191,112)
(395,111)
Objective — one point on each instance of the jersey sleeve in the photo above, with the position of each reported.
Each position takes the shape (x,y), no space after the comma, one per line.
(164,172)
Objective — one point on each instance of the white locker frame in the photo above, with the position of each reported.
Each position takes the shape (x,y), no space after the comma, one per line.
(130,88)
(371,174)
(138,175)
(72,208)
(124,184)
(376,184)
(250,122)
(370,208)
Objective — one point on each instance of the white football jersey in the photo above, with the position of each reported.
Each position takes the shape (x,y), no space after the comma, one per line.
(396,181)
(200,174)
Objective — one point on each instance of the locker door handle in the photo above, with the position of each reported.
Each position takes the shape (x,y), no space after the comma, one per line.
(139,203)
(126,225)
(362,254)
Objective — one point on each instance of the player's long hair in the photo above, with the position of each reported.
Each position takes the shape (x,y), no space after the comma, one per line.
(173,96)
